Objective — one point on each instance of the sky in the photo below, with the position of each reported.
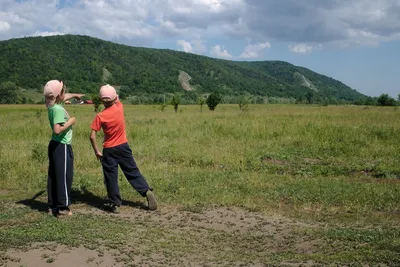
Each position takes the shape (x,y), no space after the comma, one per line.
(354,41)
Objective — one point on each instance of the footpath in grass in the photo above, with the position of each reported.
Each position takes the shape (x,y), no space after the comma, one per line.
(189,236)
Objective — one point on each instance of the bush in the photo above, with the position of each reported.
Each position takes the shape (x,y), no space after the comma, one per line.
(96,102)
(175,101)
(8,93)
(213,100)
(243,103)
(386,100)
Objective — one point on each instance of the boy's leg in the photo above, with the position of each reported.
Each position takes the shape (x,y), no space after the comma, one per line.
(51,181)
(135,178)
(110,171)
(62,168)
(51,190)
(131,171)
(69,179)
(70,170)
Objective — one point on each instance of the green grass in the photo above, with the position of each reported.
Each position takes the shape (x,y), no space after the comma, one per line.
(335,165)
(31,95)
(342,155)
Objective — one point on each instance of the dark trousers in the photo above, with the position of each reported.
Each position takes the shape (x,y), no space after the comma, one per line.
(121,155)
(60,175)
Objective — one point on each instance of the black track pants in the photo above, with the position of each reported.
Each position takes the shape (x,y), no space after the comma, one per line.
(60,175)
(121,155)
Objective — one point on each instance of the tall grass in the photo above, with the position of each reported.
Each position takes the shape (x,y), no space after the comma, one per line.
(338,157)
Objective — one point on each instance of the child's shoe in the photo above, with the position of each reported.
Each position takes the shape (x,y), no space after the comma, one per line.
(64,213)
(151,200)
(114,209)
(111,207)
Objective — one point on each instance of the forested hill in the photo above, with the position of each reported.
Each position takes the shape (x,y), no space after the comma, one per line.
(84,63)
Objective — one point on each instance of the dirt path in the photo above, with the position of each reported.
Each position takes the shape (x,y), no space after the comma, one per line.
(224,237)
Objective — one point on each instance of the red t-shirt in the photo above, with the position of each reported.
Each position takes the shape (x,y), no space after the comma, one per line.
(112,121)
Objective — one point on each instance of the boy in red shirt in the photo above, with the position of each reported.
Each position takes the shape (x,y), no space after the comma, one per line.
(116,150)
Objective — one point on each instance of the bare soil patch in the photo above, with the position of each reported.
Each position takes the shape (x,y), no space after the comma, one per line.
(59,255)
(224,237)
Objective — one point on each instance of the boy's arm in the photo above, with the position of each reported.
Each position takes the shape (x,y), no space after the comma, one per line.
(69,96)
(96,150)
(59,128)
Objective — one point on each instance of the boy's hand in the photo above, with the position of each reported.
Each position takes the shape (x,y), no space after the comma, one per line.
(79,96)
(99,155)
(72,120)
(69,96)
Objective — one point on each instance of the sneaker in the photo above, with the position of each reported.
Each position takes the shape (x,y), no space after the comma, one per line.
(64,213)
(111,207)
(52,211)
(114,209)
(151,200)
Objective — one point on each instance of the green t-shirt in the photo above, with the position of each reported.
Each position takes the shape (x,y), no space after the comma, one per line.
(58,115)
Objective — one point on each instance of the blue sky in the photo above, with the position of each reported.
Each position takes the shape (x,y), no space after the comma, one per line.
(356,42)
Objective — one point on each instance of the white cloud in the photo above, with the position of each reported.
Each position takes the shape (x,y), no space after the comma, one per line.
(169,28)
(199,45)
(255,51)
(325,22)
(142,22)
(4,26)
(195,45)
(220,52)
(301,48)
(44,34)
(186,46)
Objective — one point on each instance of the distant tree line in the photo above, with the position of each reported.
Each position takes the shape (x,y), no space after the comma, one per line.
(382,100)
(9,95)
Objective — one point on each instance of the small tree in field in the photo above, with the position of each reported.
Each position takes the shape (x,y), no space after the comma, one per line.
(201,100)
(8,93)
(213,100)
(175,101)
(243,103)
(96,102)
(386,100)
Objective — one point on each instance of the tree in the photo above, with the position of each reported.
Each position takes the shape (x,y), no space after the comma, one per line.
(213,100)
(201,100)
(310,97)
(360,101)
(300,99)
(189,97)
(175,101)
(333,100)
(386,100)
(8,93)
(370,101)
(243,103)
(124,92)
(96,102)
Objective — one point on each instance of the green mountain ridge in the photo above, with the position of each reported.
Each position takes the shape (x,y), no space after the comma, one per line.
(84,63)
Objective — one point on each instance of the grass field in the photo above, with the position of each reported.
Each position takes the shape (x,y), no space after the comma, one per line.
(277,185)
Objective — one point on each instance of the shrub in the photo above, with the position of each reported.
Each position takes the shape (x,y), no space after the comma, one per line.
(386,100)
(213,100)
(175,101)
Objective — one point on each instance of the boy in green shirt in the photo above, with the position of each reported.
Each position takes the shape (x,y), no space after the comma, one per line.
(61,157)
